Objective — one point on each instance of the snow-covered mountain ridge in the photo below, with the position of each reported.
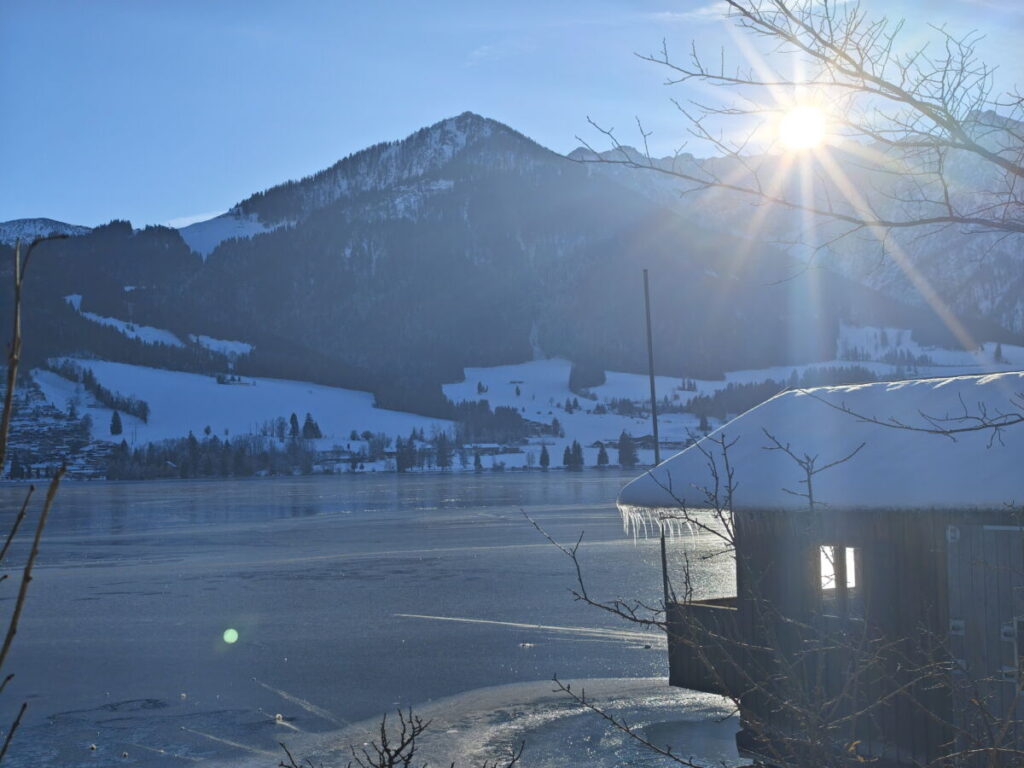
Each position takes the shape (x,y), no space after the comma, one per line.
(27,230)
(393,164)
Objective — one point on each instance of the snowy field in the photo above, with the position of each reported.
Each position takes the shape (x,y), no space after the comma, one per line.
(543,388)
(180,402)
(351,595)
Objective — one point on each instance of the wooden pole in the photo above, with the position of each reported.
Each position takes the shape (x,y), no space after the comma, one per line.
(666,589)
(650,368)
(654,423)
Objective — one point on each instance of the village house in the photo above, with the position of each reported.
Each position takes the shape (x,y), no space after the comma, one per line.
(878,609)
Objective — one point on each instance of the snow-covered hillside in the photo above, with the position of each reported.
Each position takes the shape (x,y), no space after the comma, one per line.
(27,230)
(230,349)
(538,390)
(148,334)
(203,236)
(145,333)
(183,402)
(543,387)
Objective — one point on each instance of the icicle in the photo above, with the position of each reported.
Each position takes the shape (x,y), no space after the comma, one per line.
(645,519)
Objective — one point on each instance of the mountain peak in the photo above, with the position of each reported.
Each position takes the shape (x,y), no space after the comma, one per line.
(27,230)
(386,166)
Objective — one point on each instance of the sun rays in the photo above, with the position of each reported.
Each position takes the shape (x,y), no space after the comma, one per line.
(803,127)
(798,169)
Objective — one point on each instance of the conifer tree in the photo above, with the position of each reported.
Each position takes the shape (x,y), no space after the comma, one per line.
(310,429)
(577,456)
(567,456)
(602,457)
(627,451)
(443,447)
(115,424)
(293,431)
(545,457)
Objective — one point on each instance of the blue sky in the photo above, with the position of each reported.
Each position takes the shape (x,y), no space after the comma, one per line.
(155,110)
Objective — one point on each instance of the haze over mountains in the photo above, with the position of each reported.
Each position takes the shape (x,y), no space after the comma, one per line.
(467,244)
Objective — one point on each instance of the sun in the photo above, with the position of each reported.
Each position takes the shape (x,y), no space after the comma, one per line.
(802,128)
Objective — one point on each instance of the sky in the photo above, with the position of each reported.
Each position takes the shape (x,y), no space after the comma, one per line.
(166,111)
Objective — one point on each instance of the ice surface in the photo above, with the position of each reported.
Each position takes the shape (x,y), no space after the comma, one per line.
(351,595)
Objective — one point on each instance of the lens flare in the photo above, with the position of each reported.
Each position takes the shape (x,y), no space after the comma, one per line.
(802,128)
(230,636)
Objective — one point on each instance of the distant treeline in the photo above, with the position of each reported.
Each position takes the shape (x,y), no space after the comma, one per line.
(107,397)
(477,423)
(737,398)
(190,457)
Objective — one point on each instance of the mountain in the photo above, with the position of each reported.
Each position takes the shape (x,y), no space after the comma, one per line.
(465,244)
(27,230)
(973,272)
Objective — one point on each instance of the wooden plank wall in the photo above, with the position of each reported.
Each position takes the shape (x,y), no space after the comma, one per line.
(986,567)
(903,583)
(913,577)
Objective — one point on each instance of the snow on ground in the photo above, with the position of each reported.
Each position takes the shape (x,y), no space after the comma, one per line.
(150,335)
(222,346)
(635,387)
(543,387)
(144,333)
(180,402)
(541,382)
(204,236)
(467,726)
(877,343)
(538,390)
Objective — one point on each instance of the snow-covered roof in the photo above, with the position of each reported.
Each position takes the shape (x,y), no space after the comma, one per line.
(895,468)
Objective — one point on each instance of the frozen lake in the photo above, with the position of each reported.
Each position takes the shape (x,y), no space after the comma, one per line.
(350,595)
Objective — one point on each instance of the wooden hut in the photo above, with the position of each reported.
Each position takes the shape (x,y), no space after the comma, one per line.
(878,612)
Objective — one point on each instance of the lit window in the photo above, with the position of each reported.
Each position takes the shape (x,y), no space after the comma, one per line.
(828,566)
(839,593)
